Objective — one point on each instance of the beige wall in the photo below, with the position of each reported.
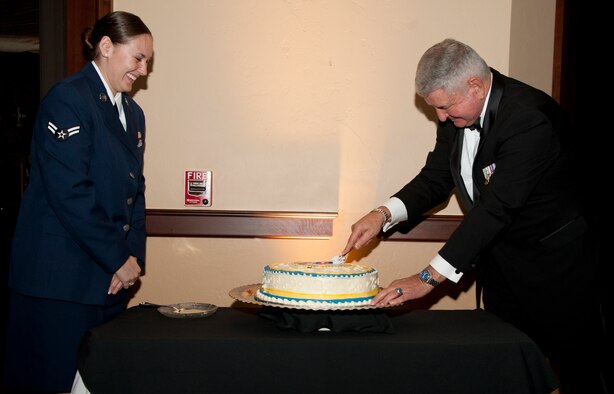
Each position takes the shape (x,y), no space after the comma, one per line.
(327,86)
(531,49)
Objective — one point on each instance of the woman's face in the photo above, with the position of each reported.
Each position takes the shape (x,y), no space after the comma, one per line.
(122,64)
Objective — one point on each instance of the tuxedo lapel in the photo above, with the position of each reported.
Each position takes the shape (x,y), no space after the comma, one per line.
(455,159)
(496,92)
(490,115)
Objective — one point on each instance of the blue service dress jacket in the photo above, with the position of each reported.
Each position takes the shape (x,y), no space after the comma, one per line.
(83,211)
(526,203)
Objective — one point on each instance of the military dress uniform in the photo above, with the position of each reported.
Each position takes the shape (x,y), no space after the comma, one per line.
(82,216)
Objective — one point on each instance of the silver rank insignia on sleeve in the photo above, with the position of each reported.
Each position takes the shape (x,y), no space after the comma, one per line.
(63,134)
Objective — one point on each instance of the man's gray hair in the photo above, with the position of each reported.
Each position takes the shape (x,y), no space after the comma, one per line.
(448,65)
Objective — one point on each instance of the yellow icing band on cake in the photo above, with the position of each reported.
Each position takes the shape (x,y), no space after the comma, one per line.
(292,294)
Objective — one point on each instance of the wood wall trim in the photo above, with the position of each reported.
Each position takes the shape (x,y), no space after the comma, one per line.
(557,64)
(278,224)
(241,224)
(434,228)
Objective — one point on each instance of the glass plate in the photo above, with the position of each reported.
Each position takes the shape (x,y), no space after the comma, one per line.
(187,310)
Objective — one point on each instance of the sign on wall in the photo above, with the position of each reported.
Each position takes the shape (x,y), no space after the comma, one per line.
(197,188)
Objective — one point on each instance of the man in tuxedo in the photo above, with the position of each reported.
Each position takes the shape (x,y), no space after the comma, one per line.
(507,149)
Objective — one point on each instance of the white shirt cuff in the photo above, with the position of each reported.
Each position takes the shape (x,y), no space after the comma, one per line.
(398,212)
(445,269)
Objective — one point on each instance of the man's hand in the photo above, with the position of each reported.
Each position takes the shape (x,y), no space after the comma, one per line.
(365,229)
(401,290)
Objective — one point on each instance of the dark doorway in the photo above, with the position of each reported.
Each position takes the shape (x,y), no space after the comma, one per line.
(39,44)
(19,97)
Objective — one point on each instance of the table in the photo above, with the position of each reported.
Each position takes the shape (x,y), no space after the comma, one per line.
(238,351)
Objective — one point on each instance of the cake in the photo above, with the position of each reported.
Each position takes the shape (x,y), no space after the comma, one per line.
(318,284)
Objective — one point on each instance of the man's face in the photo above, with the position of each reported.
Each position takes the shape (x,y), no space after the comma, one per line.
(463,109)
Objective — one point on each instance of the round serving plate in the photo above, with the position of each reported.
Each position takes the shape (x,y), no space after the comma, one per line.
(247,293)
(187,310)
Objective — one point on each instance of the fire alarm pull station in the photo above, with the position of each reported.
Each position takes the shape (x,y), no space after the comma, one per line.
(198,188)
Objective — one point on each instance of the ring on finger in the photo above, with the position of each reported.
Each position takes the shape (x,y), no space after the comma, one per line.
(399,291)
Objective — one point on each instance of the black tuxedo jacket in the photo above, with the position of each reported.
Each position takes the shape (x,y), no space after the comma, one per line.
(524,208)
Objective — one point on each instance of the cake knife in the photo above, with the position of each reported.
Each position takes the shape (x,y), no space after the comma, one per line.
(339,259)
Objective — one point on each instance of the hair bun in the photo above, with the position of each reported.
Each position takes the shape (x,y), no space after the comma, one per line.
(85,37)
(88,48)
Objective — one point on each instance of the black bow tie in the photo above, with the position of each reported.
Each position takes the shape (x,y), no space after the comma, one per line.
(475,126)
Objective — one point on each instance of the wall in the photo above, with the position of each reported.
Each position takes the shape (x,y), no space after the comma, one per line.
(328,87)
(531,49)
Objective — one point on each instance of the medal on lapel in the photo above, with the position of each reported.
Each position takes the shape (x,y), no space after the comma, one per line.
(488,171)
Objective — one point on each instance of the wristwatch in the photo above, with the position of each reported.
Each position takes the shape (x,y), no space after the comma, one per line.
(426,276)
(386,217)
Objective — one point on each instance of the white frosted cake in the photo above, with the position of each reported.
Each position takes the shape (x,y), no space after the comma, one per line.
(318,284)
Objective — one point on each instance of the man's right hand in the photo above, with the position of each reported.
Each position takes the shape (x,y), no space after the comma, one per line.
(365,230)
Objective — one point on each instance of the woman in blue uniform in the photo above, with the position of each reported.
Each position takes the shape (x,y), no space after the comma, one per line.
(79,243)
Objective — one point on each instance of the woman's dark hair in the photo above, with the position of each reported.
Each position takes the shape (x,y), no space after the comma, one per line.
(119,26)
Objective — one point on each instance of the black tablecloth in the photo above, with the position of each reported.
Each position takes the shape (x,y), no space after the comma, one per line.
(236,350)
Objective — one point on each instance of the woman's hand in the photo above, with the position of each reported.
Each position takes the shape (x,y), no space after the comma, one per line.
(126,276)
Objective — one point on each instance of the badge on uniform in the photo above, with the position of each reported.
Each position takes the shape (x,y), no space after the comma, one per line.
(488,171)
(63,134)
(139,138)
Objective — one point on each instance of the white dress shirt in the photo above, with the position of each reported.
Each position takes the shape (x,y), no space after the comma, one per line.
(471,140)
(116,99)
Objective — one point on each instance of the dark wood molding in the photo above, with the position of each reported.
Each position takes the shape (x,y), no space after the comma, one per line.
(79,15)
(53,44)
(434,228)
(557,64)
(241,224)
(277,224)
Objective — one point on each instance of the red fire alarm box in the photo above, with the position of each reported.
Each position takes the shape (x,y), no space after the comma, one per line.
(197,185)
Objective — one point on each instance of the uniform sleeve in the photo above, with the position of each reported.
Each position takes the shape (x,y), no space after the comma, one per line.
(64,145)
